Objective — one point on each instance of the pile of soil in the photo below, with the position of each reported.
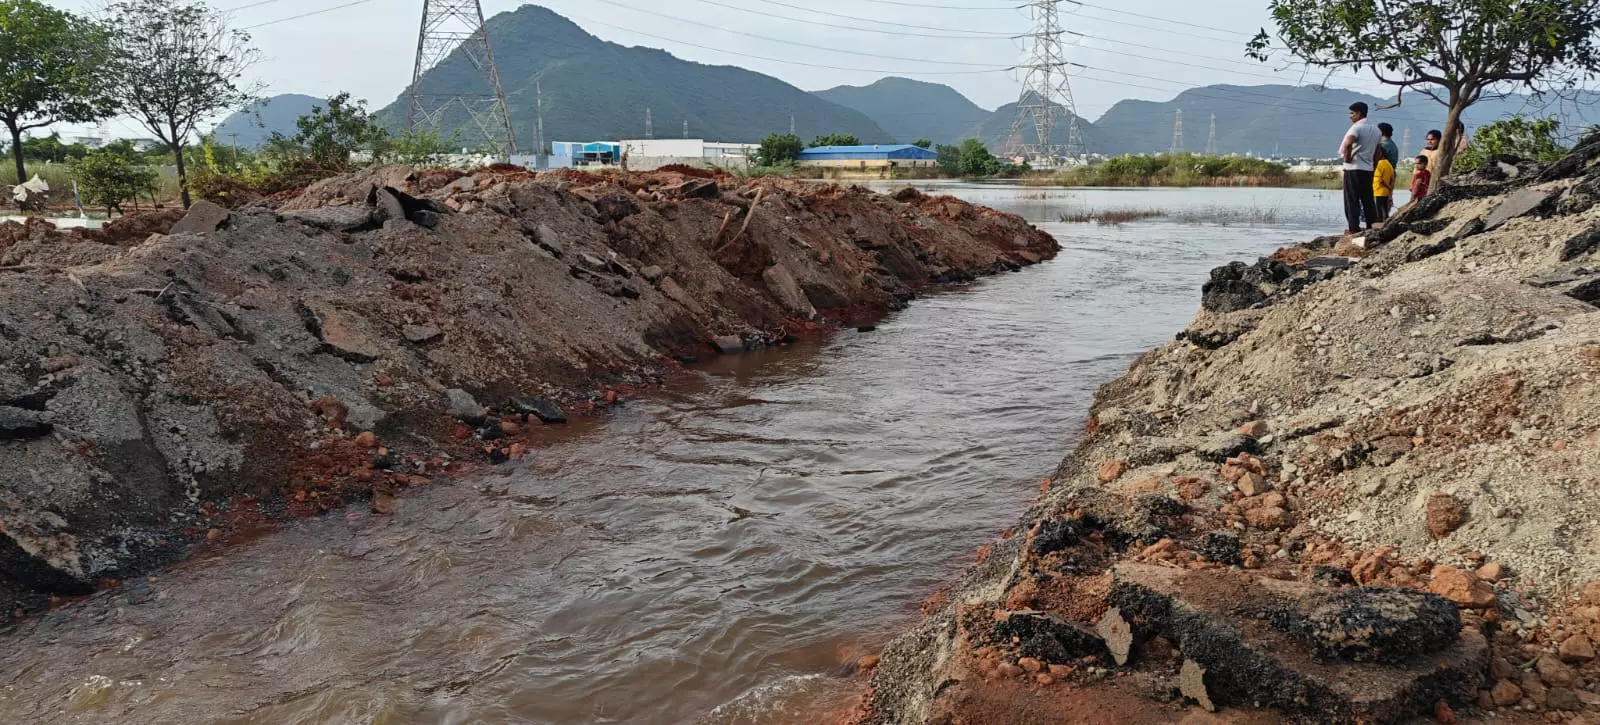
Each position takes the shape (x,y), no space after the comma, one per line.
(1341,427)
(166,378)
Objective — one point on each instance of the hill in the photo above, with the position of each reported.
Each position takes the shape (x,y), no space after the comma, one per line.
(597,90)
(909,110)
(251,126)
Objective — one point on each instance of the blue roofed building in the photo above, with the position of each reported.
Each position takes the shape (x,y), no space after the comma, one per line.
(868,157)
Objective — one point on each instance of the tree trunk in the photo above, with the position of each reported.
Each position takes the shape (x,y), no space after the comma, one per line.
(16,151)
(183,176)
(1447,145)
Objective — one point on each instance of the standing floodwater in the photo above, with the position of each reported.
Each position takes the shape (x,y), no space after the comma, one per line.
(711,553)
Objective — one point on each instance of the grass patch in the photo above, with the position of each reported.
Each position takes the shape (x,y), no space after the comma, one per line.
(1110,216)
(1229,215)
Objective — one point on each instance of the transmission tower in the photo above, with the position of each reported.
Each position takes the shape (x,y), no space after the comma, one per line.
(1177,133)
(649,129)
(1405,143)
(686,128)
(448,26)
(538,103)
(1211,139)
(1046,95)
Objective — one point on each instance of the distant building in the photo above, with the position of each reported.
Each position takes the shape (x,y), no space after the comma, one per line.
(868,157)
(92,142)
(654,153)
(567,154)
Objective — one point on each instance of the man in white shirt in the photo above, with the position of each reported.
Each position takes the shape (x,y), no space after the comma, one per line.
(1359,151)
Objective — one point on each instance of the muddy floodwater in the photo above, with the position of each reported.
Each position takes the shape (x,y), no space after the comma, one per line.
(718,552)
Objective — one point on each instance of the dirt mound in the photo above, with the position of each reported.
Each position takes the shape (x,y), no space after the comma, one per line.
(295,359)
(1415,413)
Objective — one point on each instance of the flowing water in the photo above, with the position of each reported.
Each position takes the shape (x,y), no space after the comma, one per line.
(717,552)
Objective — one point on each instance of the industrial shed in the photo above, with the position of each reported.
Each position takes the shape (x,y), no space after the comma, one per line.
(868,157)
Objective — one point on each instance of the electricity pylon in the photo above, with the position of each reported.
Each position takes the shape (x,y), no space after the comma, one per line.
(457,25)
(1211,139)
(649,129)
(1046,95)
(1177,133)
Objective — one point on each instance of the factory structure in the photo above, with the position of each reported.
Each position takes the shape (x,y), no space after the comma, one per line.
(647,154)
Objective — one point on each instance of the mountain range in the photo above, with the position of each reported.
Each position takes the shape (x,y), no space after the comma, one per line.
(597,90)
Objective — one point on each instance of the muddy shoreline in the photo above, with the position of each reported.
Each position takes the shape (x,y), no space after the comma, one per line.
(1352,490)
(172,378)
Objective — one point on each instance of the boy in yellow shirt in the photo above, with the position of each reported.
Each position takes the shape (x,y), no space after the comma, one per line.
(1383,186)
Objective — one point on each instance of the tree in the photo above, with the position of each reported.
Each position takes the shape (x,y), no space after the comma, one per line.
(836,139)
(970,158)
(420,147)
(50,71)
(949,157)
(922,143)
(778,149)
(177,63)
(107,178)
(328,136)
(1516,136)
(1456,52)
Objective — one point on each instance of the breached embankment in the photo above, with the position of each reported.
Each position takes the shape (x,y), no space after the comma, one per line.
(173,374)
(1358,488)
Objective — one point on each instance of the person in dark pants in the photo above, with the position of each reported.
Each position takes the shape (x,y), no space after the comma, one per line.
(1359,151)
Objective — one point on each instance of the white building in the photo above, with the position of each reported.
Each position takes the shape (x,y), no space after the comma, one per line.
(646,154)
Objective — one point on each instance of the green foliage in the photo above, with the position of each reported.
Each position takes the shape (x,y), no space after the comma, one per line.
(836,139)
(107,177)
(922,143)
(778,149)
(50,148)
(971,158)
(1516,136)
(1454,51)
(1175,170)
(177,63)
(416,147)
(50,71)
(328,136)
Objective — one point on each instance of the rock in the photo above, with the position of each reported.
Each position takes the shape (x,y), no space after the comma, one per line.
(382,503)
(1491,572)
(1254,429)
(348,218)
(1554,672)
(1460,587)
(1116,633)
(367,439)
(676,293)
(1219,448)
(1442,713)
(1048,638)
(1251,483)
(465,408)
(652,273)
(1505,693)
(781,284)
(540,408)
(1222,548)
(1576,648)
(1008,670)
(1518,203)
(1229,622)
(342,333)
(203,216)
(1375,624)
(1563,698)
(1030,665)
(728,344)
(388,206)
(593,263)
(695,189)
(425,218)
(1192,683)
(1581,243)
(418,334)
(1268,517)
(1112,470)
(1445,514)
(19,424)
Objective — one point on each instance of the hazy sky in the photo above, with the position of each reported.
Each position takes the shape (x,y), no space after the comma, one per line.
(1149,49)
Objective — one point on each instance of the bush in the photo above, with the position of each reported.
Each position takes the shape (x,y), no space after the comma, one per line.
(107,178)
(836,139)
(1515,136)
(779,149)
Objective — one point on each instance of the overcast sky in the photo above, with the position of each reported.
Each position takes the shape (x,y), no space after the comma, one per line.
(1149,49)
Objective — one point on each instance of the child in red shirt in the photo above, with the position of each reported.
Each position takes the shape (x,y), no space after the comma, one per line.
(1420,179)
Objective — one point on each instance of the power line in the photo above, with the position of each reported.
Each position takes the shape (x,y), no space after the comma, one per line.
(1185,23)
(781,60)
(923,6)
(957,35)
(256,4)
(797,43)
(880,22)
(306,15)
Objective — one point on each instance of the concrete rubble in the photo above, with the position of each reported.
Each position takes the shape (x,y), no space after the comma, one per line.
(175,376)
(1358,488)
